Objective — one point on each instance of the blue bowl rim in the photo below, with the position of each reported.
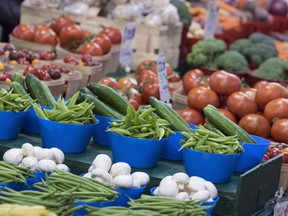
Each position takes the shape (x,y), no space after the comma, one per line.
(11,111)
(213,153)
(97,121)
(259,144)
(136,137)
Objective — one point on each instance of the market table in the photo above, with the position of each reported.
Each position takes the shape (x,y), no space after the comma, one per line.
(243,195)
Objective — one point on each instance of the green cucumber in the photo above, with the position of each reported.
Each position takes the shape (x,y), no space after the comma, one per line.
(166,112)
(110,96)
(225,125)
(18,89)
(17,77)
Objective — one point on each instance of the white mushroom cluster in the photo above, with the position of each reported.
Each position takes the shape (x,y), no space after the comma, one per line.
(182,187)
(117,174)
(37,158)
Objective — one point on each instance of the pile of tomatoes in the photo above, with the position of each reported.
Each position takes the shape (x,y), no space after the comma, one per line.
(261,110)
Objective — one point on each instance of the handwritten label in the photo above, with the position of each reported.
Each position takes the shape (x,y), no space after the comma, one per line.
(163,81)
(281,209)
(126,50)
(212,20)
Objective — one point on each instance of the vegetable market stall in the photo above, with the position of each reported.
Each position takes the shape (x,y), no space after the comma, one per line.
(243,195)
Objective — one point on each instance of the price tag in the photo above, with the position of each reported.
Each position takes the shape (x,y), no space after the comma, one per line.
(212,20)
(281,209)
(126,50)
(163,81)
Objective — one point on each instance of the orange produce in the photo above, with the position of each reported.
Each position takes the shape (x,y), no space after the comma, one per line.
(192,79)
(276,109)
(191,116)
(279,130)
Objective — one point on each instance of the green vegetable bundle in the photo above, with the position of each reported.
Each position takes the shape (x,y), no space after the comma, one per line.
(141,124)
(11,173)
(68,111)
(14,102)
(206,140)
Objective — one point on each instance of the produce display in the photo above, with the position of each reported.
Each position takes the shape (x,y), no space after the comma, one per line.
(86,60)
(11,173)
(10,101)
(276,149)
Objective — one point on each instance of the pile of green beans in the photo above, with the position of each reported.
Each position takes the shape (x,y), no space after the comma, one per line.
(77,187)
(51,200)
(168,206)
(14,102)
(205,140)
(141,124)
(68,111)
(11,173)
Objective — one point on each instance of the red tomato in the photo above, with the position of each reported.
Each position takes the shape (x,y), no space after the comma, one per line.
(279,130)
(241,104)
(226,113)
(150,89)
(91,48)
(127,82)
(24,32)
(134,103)
(134,94)
(58,24)
(191,116)
(31,69)
(109,81)
(268,92)
(114,35)
(146,64)
(276,109)
(250,91)
(224,83)
(147,75)
(39,27)
(255,124)
(200,97)
(104,42)
(175,77)
(192,79)
(260,83)
(45,36)
(71,36)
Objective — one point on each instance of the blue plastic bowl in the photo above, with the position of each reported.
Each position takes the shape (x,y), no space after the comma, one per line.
(38,177)
(170,151)
(137,152)
(253,154)
(99,135)
(208,211)
(14,186)
(126,193)
(217,168)
(69,138)
(31,124)
(11,124)
(83,212)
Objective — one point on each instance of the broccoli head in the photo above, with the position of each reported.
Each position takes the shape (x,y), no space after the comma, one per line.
(273,68)
(232,61)
(258,37)
(241,45)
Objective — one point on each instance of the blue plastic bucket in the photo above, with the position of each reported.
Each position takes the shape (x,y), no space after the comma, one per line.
(69,138)
(83,212)
(31,124)
(126,193)
(137,152)
(170,151)
(14,186)
(38,177)
(253,154)
(99,135)
(11,124)
(217,168)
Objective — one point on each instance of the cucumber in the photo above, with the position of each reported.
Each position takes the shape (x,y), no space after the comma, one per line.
(225,125)
(166,112)
(100,107)
(17,77)
(39,90)
(18,89)
(87,91)
(110,96)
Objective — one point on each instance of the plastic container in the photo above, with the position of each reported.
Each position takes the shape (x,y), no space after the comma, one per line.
(137,152)
(83,212)
(99,135)
(31,124)
(217,168)
(39,176)
(253,154)
(11,124)
(69,138)
(126,194)
(14,186)
(170,151)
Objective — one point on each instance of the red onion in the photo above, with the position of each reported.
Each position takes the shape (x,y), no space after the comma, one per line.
(278,8)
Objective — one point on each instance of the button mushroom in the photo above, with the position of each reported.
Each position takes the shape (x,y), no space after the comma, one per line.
(120,168)
(102,161)
(14,156)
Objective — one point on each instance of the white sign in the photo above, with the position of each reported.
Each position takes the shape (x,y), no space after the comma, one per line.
(126,50)
(163,81)
(212,20)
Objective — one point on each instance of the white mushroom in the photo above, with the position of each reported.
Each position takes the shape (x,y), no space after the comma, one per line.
(101,175)
(142,177)
(58,155)
(212,189)
(63,167)
(90,168)
(195,186)
(102,161)
(120,168)
(48,154)
(29,161)
(39,153)
(181,179)
(156,191)
(13,156)
(87,175)
(46,165)
(123,181)
(167,178)
(28,150)
(136,184)
(196,178)
(183,196)
(203,195)
(168,188)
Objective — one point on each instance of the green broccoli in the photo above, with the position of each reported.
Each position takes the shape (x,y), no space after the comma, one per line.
(232,61)
(258,37)
(273,68)
(185,16)
(240,45)
(205,52)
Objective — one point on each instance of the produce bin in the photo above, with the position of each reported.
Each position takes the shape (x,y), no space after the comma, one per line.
(56,86)
(72,83)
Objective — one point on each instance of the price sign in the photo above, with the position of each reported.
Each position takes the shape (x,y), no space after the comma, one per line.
(126,50)
(212,20)
(163,81)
